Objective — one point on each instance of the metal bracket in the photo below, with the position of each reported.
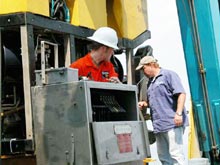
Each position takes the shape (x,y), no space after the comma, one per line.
(44,58)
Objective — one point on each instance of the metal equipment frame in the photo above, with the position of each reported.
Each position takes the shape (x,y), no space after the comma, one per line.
(27,23)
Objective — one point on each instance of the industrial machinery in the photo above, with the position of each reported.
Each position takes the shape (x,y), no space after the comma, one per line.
(48,116)
(59,10)
(200,29)
(87,119)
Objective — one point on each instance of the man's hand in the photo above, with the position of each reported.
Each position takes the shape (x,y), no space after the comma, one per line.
(114,80)
(142,105)
(178,120)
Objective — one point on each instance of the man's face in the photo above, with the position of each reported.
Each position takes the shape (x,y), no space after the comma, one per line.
(108,53)
(148,70)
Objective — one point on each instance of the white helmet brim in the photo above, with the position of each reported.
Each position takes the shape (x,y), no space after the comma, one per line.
(106,36)
(103,42)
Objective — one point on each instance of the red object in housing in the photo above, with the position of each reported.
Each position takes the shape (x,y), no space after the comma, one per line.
(124,143)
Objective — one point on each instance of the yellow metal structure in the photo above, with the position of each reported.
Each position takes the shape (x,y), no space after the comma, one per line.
(88,13)
(128,17)
(193,145)
(40,7)
(148,160)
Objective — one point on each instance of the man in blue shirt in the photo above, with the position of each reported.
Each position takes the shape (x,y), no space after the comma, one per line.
(166,99)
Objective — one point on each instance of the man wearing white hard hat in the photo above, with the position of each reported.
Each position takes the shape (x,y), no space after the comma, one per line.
(96,64)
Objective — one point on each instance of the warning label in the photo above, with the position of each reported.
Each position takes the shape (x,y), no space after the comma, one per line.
(124,142)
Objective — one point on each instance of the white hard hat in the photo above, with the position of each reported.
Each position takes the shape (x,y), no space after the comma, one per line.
(106,36)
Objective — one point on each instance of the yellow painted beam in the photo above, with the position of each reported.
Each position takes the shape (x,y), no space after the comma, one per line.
(40,7)
(193,145)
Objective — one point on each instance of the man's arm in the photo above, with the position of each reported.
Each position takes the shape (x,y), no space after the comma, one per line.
(180,103)
(178,119)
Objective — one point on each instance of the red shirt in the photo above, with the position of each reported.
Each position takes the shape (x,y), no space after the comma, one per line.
(88,69)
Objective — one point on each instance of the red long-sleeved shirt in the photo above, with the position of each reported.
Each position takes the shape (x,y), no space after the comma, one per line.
(88,69)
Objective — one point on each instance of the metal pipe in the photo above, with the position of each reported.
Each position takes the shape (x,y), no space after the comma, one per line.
(0,92)
(146,136)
